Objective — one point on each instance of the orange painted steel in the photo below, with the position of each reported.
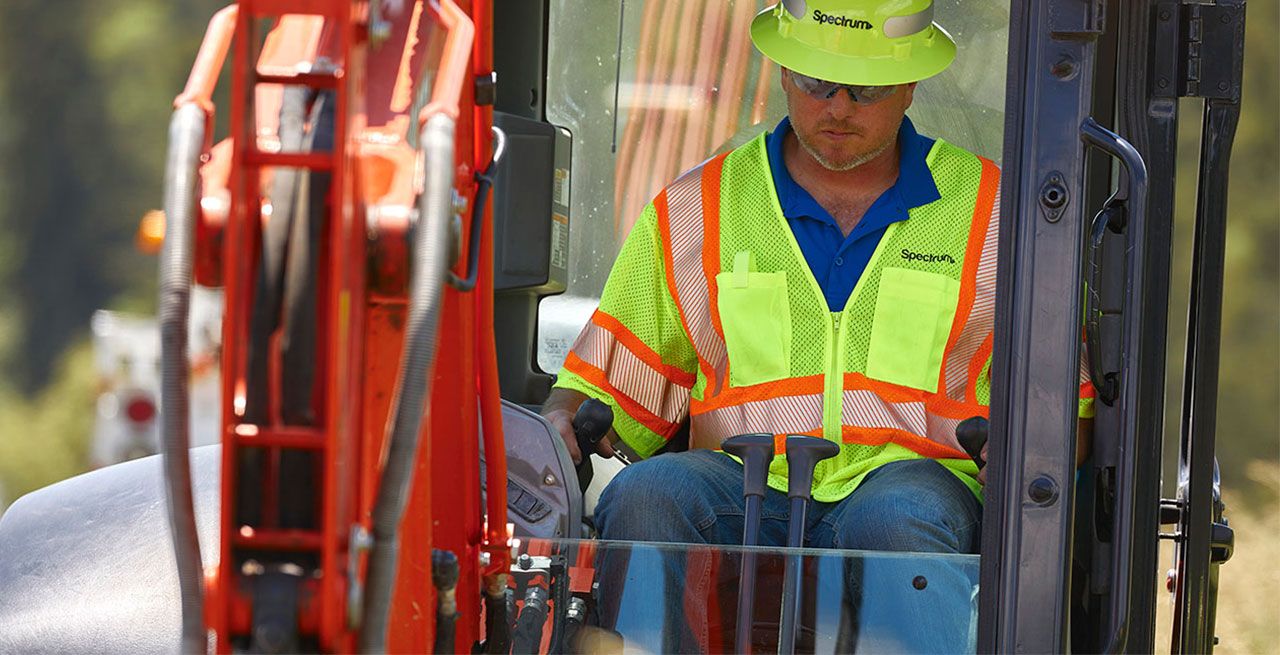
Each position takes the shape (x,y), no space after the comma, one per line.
(453,70)
(497,537)
(359,320)
(209,60)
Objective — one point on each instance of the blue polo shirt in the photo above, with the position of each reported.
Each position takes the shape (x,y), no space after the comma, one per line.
(837,261)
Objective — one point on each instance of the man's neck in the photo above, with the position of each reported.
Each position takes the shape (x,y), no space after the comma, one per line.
(846,195)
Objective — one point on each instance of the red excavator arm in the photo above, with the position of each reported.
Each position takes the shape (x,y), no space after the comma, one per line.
(353,159)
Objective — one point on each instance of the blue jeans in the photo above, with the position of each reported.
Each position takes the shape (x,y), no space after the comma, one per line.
(908,506)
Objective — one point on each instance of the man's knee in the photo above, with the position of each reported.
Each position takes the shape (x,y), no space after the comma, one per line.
(922,507)
(658,499)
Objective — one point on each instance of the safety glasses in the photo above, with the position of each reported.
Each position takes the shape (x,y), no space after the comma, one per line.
(823,90)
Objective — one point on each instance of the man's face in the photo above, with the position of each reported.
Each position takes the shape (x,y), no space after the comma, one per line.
(842,134)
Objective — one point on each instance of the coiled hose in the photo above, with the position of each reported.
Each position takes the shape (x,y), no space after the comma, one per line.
(429,268)
(186,142)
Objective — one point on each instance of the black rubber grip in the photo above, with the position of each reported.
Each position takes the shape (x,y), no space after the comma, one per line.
(972,435)
(803,455)
(591,422)
(756,453)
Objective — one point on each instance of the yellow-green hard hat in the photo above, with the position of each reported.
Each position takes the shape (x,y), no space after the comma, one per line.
(864,42)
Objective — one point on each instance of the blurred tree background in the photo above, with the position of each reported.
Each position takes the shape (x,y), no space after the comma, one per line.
(85,96)
(85,92)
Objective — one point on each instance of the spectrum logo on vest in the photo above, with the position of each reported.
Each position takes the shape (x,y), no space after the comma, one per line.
(926,257)
(842,21)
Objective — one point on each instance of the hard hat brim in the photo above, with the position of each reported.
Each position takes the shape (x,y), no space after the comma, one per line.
(925,58)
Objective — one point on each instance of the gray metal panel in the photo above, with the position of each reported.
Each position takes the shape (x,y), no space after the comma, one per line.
(88,566)
(1026,558)
(522,199)
(543,497)
(531,206)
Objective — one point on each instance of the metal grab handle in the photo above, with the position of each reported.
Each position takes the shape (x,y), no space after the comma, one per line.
(1104,382)
(1122,546)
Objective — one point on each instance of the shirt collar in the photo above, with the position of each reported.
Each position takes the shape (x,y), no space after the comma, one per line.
(915,186)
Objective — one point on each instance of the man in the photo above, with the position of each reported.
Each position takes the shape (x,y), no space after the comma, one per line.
(835,277)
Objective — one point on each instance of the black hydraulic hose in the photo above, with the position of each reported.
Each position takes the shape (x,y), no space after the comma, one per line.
(485,185)
(265,315)
(499,607)
(430,263)
(526,638)
(186,142)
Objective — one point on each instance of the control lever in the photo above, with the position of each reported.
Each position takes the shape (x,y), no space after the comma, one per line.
(591,422)
(803,455)
(972,435)
(756,453)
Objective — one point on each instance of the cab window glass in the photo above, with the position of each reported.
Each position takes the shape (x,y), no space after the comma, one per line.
(651,88)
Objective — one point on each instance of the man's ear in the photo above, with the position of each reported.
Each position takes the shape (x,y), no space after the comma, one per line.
(911,94)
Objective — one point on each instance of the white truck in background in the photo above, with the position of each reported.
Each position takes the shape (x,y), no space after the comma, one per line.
(126,353)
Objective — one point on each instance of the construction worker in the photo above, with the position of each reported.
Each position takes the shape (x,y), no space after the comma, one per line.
(834,277)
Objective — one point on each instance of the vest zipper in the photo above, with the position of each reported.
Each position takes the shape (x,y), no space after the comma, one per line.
(833,396)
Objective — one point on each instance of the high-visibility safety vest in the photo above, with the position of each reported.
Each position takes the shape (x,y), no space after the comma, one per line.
(712,313)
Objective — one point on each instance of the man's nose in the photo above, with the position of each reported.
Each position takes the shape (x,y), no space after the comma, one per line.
(842,103)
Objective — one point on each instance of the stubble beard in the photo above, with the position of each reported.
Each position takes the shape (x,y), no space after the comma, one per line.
(840,166)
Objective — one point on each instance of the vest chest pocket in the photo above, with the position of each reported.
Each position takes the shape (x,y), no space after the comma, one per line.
(913,316)
(756,318)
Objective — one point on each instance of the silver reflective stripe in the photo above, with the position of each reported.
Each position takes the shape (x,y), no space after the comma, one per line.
(780,415)
(796,7)
(686,218)
(900,26)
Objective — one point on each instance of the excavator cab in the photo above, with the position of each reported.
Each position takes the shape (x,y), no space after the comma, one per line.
(1082,120)
(417,208)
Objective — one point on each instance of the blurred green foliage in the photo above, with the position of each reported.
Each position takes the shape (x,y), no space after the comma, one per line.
(86,88)
(85,92)
(45,437)
(85,96)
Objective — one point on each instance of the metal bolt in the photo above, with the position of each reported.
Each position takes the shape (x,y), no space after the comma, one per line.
(1222,86)
(1163,83)
(549,480)
(1225,18)
(524,562)
(1054,196)
(1064,69)
(920,582)
(1043,491)
(1164,14)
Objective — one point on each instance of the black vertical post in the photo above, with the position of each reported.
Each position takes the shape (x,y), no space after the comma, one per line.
(1194,618)
(1146,115)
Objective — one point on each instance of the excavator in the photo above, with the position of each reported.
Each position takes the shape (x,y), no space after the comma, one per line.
(413,213)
